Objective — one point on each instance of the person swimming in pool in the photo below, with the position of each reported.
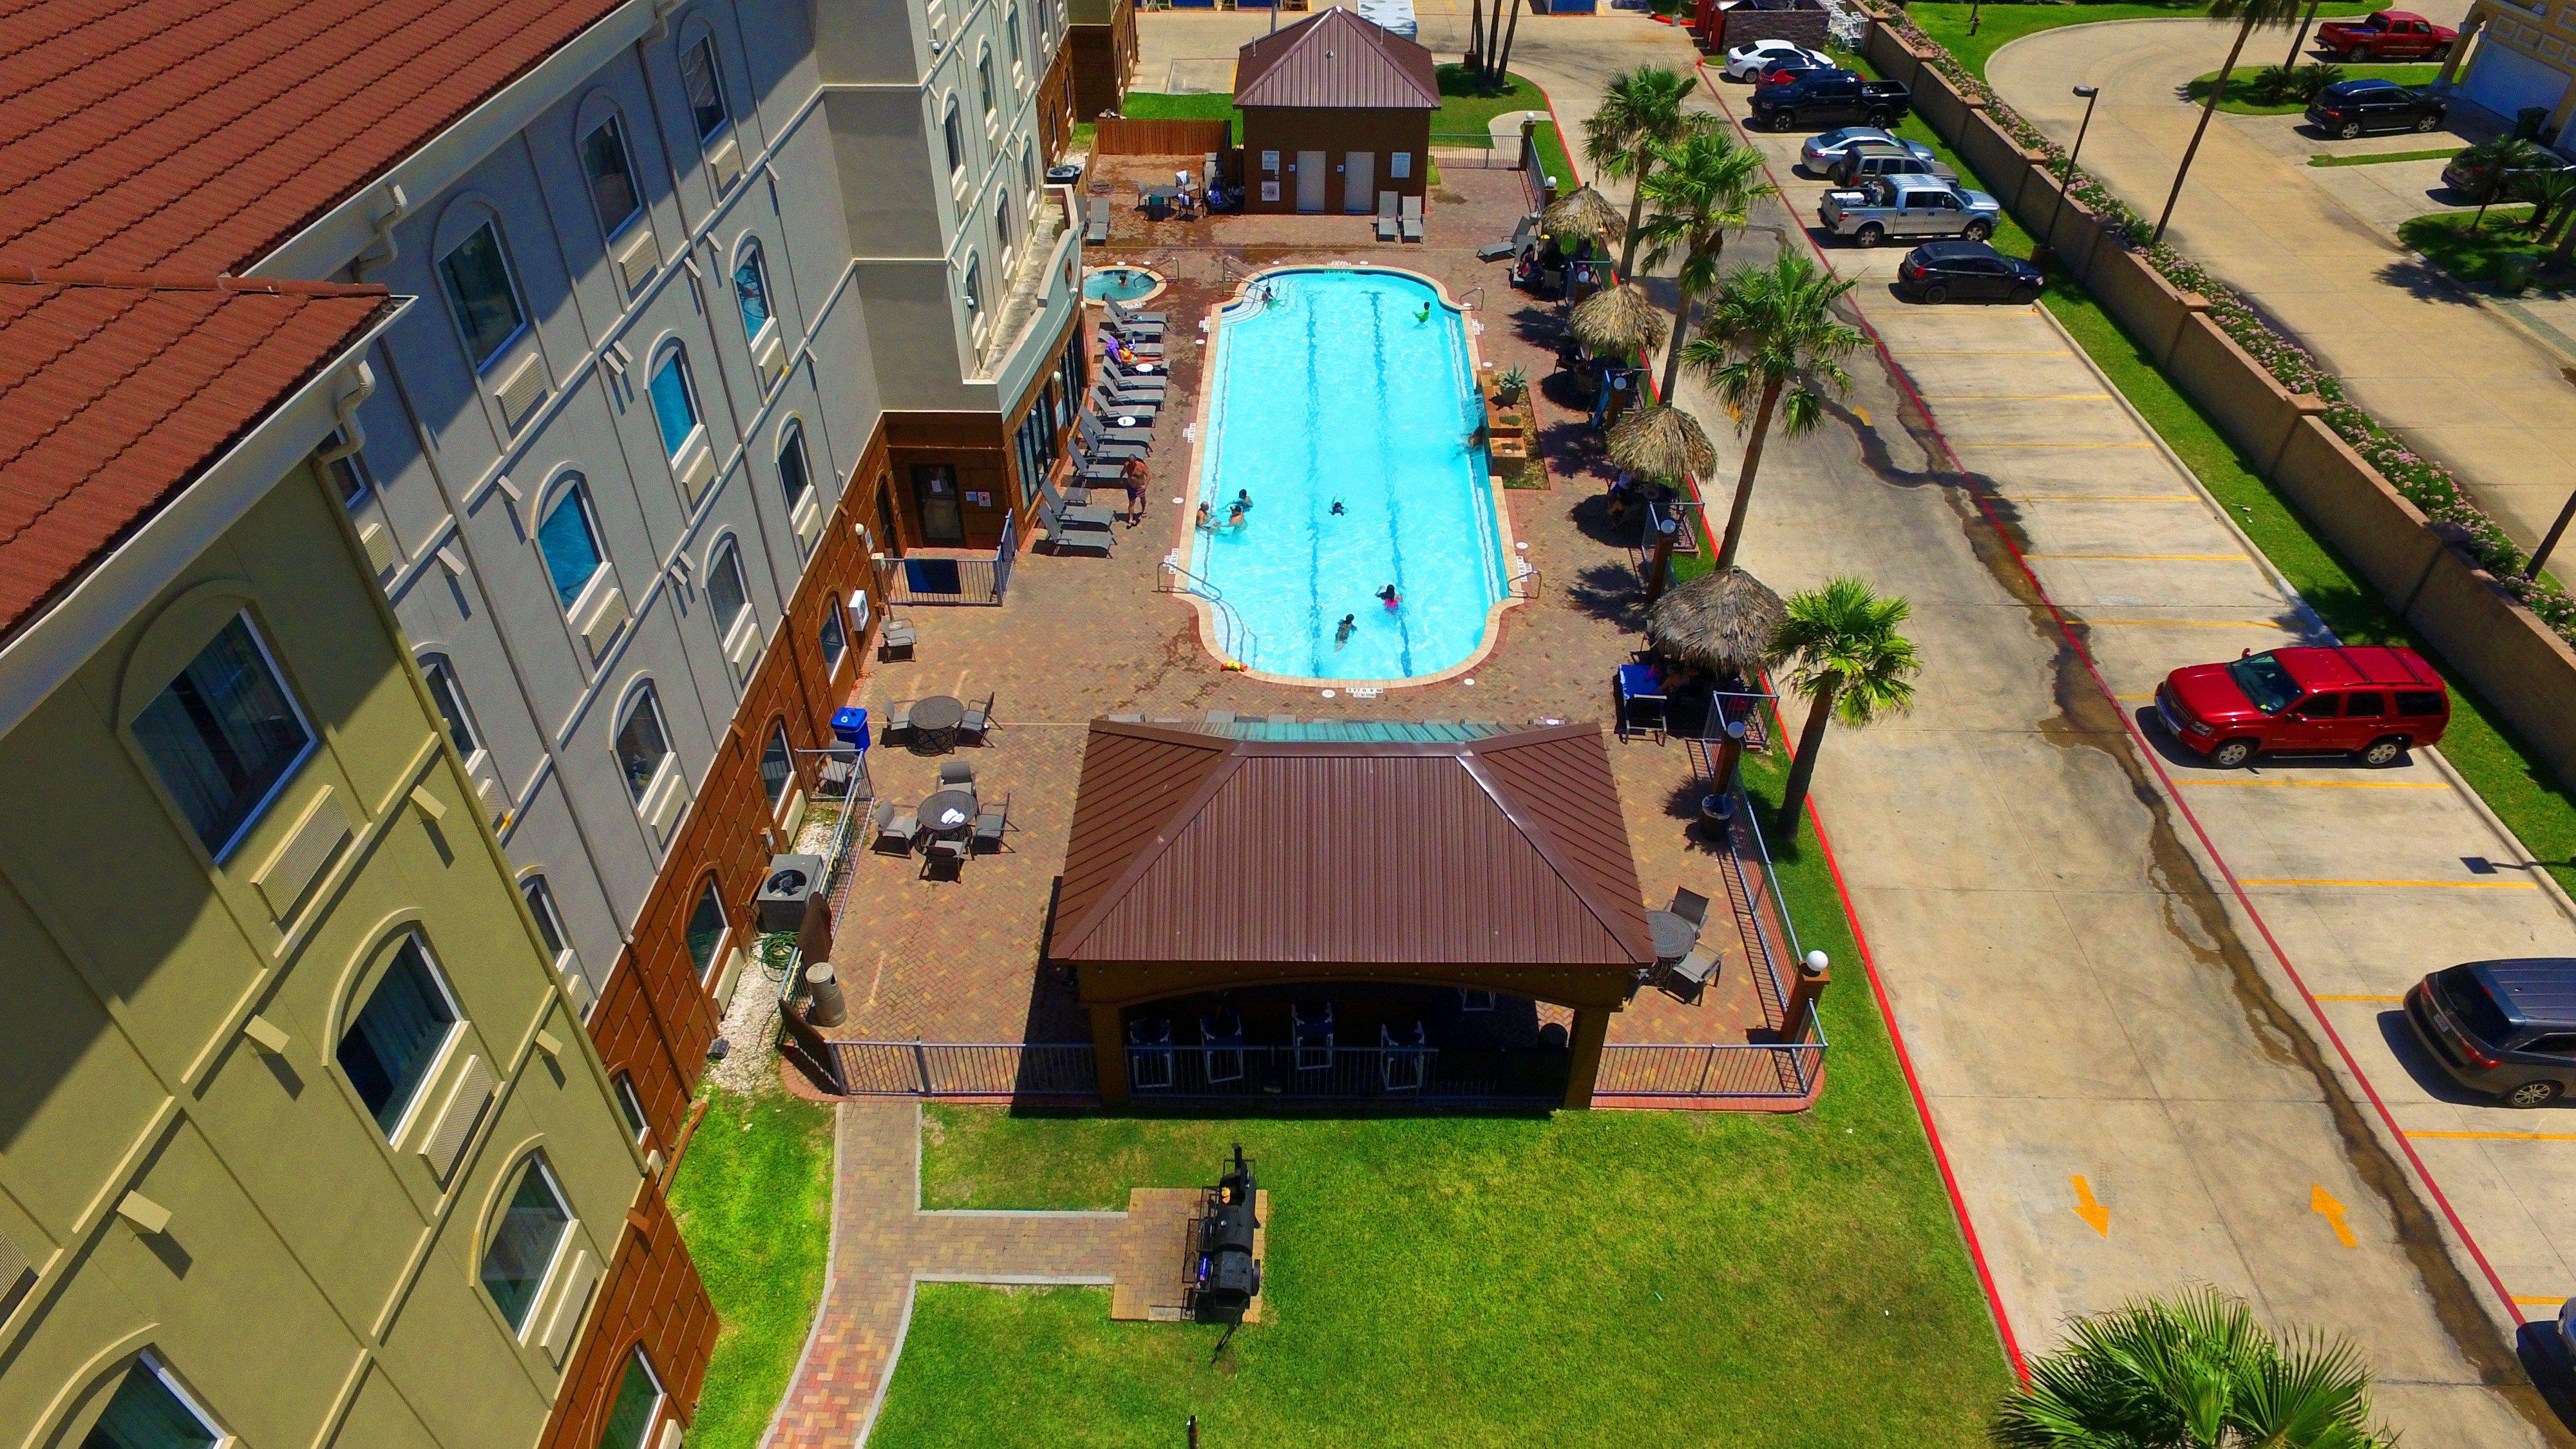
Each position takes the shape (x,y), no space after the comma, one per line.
(1389,597)
(1205,521)
(1243,500)
(1234,514)
(1337,508)
(1423,316)
(1342,633)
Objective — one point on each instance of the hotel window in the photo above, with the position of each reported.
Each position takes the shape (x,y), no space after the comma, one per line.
(974,292)
(1011,27)
(444,693)
(835,638)
(637,1405)
(631,1107)
(396,1037)
(706,96)
(751,294)
(223,736)
(984,78)
(1029,173)
(148,1411)
(641,744)
(955,131)
(777,767)
(541,904)
(793,478)
(675,401)
(706,930)
(569,543)
(480,294)
(1002,222)
(533,1229)
(726,595)
(612,177)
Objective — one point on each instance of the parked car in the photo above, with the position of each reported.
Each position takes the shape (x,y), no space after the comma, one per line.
(1817,154)
(2386,35)
(2506,1028)
(1860,162)
(1830,95)
(2349,108)
(1886,206)
(2467,171)
(2373,702)
(1788,67)
(1965,271)
(1748,62)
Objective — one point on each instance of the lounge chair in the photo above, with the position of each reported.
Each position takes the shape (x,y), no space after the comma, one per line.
(978,721)
(944,855)
(1093,432)
(1075,540)
(992,822)
(1129,380)
(1089,434)
(1150,351)
(1095,231)
(1069,515)
(1496,251)
(895,828)
(956,772)
(1123,406)
(1133,331)
(1386,220)
(1413,218)
(1125,313)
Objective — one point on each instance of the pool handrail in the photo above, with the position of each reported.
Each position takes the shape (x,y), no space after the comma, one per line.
(1247,645)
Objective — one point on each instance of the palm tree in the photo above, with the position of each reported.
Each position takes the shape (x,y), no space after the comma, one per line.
(1844,654)
(1640,111)
(2247,14)
(1475,59)
(1703,189)
(1772,336)
(2552,195)
(1503,67)
(2194,1373)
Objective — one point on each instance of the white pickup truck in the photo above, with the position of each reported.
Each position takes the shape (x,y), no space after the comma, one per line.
(1908,206)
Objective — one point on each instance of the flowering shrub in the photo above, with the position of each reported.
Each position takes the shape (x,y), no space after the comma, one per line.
(2421,481)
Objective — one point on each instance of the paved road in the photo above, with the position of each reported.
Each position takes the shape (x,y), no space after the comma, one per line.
(2090,942)
(2315,249)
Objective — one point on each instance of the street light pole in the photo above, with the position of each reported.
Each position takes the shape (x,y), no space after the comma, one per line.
(2067,178)
(2540,555)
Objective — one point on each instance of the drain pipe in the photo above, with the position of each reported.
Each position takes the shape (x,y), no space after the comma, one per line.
(344,407)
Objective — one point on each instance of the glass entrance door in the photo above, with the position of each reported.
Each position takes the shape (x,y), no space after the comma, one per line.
(934,493)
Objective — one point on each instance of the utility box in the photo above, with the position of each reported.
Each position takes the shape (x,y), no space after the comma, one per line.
(792,881)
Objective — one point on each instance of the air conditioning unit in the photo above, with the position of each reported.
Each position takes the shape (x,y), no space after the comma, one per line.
(792,880)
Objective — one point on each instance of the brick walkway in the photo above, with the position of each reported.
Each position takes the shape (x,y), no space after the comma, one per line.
(883,1244)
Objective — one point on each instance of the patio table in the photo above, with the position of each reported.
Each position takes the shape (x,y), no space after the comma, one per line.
(1674,935)
(935,721)
(948,811)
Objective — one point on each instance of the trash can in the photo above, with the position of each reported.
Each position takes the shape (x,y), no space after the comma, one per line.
(2513,272)
(850,726)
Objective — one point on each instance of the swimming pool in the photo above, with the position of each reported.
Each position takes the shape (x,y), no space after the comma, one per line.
(1352,388)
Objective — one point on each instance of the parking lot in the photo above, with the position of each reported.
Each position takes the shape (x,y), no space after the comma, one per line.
(2193,1020)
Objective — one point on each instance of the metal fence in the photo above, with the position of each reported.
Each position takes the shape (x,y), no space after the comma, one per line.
(917,580)
(1755,1069)
(966,1069)
(1345,1074)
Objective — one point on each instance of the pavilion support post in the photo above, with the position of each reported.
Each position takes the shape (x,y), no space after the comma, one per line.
(1109,1054)
(1591,1029)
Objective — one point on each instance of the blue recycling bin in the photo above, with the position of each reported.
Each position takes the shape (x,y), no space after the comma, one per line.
(850,726)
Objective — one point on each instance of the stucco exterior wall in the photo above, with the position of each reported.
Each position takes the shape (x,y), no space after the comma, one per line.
(1288,130)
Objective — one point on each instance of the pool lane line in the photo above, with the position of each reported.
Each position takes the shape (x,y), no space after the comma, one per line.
(1386,481)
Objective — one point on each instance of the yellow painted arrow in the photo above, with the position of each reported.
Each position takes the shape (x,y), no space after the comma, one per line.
(2089,1209)
(2323,1204)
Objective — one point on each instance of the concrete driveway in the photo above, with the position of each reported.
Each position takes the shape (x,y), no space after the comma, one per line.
(2315,249)
(2129,981)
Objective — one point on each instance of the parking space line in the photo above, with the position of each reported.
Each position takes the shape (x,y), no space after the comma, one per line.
(2500,1137)
(2150,557)
(2530,1302)
(2447,885)
(2308,784)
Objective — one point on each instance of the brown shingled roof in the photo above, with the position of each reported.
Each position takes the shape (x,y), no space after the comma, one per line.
(199,135)
(1337,61)
(116,390)
(1199,848)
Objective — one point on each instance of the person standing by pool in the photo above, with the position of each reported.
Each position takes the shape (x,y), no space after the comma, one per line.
(1133,476)
(1342,634)
(1389,597)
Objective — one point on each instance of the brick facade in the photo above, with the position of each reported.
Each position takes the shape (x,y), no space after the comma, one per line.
(650,1298)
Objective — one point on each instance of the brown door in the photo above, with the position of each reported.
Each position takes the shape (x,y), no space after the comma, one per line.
(935,502)
(890,537)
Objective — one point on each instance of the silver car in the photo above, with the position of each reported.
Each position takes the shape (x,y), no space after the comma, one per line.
(1894,206)
(1817,155)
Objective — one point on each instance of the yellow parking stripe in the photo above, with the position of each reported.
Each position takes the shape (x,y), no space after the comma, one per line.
(2501,1137)
(2449,885)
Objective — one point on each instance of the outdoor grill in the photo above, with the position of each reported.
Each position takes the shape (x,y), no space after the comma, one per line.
(1224,1276)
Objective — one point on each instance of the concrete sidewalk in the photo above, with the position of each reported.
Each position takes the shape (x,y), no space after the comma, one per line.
(2315,250)
(2098,1017)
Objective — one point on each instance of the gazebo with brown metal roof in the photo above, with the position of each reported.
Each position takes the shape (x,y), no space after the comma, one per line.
(1201,862)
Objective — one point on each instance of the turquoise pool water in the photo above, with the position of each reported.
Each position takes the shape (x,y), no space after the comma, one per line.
(1340,389)
(1118,284)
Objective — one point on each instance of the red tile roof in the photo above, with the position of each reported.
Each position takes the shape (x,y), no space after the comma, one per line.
(117,390)
(198,135)
(1337,61)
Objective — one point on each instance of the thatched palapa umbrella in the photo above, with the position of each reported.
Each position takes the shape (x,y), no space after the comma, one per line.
(1661,441)
(1618,322)
(1720,622)
(1581,215)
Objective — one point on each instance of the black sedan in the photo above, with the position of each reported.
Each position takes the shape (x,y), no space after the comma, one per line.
(1965,271)
(2349,108)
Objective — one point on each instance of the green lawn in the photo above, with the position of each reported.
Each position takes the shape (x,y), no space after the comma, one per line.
(1551,150)
(1582,1278)
(2514,785)
(1156,106)
(2240,100)
(2000,25)
(2476,256)
(2382,158)
(754,1201)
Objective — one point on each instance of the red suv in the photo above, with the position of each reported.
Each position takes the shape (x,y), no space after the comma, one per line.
(2371,702)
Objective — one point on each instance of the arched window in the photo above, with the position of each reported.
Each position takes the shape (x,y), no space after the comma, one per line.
(1011,28)
(481,295)
(522,1252)
(974,292)
(449,697)
(638,1404)
(1002,220)
(675,400)
(751,293)
(395,1038)
(550,926)
(955,131)
(699,80)
(705,936)
(149,1411)
(835,636)
(224,735)
(611,169)
(794,480)
(642,746)
(777,767)
(984,79)
(727,597)
(568,540)
(631,1107)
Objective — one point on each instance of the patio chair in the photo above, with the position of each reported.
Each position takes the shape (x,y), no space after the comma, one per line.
(895,828)
(1132,442)
(1386,220)
(1694,972)
(992,822)
(895,641)
(944,856)
(956,772)
(1310,1037)
(899,720)
(1061,539)
(1640,700)
(1220,719)
(1125,313)
(1221,1046)
(1130,409)
(1093,470)
(1095,231)
(1132,330)
(978,721)
(1090,517)
(1149,1055)
(1413,218)
(1150,351)
(1126,383)
(1691,906)
(1095,446)
(1126,719)
(1400,1065)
